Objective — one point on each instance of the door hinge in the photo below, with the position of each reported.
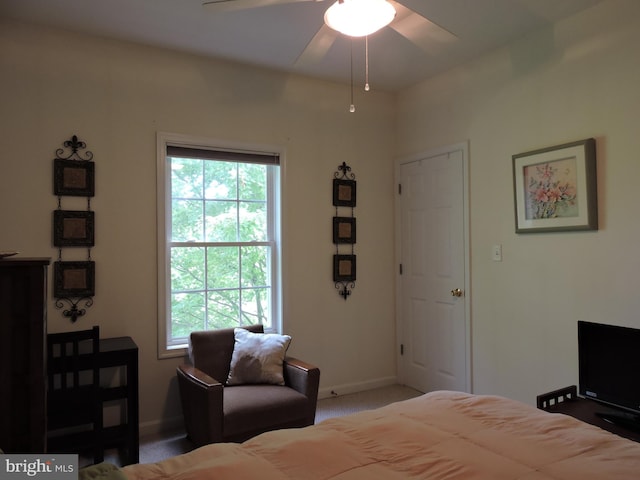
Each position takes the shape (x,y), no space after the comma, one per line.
(400,269)
(399,189)
(401,349)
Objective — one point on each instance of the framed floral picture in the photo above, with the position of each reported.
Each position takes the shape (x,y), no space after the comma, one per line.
(555,188)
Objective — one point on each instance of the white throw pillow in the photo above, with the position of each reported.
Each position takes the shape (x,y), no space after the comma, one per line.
(257,358)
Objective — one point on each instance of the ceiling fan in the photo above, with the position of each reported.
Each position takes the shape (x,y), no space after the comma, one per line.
(421,31)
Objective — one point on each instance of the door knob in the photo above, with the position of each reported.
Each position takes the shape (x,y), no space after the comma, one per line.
(456,292)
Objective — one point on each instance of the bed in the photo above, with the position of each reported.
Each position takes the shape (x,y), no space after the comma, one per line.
(439,435)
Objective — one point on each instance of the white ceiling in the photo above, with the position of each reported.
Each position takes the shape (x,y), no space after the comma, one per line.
(274,35)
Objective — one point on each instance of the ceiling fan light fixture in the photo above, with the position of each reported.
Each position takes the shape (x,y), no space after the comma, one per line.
(359,18)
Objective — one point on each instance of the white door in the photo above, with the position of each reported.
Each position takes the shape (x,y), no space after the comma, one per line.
(433,329)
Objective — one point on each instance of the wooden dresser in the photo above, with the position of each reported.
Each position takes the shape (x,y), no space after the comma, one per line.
(23,327)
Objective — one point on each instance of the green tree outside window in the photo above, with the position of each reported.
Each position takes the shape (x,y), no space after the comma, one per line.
(220,244)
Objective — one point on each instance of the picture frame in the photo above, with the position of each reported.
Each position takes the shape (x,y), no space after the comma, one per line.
(74,279)
(344,192)
(344,268)
(344,230)
(75,178)
(73,228)
(555,188)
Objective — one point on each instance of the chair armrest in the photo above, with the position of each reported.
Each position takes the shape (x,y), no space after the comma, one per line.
(297,363)
(305,378)
(198,376)
(202,399)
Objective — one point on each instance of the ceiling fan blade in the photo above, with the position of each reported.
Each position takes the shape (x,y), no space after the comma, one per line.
(230,5)
(318,47)
(421,31)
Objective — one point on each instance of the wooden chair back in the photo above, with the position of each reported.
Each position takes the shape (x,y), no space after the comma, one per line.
(74,404)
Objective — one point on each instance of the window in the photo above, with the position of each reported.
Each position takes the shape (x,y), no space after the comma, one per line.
(219,252)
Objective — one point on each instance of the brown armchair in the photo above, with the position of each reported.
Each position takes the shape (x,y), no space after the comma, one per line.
(215,412)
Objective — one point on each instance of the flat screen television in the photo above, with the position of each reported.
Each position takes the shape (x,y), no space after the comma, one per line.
(609,370)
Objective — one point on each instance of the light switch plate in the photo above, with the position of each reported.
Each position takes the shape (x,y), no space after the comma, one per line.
(496,253)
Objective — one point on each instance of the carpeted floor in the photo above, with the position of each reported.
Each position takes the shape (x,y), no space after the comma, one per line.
(356,402)
(156,448)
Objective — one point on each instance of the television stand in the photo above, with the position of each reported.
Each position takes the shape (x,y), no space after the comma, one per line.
(566,401)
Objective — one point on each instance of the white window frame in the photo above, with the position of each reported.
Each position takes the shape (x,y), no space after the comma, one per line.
(165,350)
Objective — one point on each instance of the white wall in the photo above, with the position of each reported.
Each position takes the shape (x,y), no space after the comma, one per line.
(115,97)
(576,80)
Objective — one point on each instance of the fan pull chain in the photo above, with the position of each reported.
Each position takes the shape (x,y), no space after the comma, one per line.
(366,63)
(352,107)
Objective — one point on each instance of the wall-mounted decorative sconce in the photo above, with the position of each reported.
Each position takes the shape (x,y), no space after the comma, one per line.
(74,176)
(344,230)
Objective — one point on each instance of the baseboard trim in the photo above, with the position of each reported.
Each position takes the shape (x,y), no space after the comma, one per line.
(167,425)
(348,388)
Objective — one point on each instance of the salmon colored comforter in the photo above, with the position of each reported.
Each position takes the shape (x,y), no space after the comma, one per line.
(440,435)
